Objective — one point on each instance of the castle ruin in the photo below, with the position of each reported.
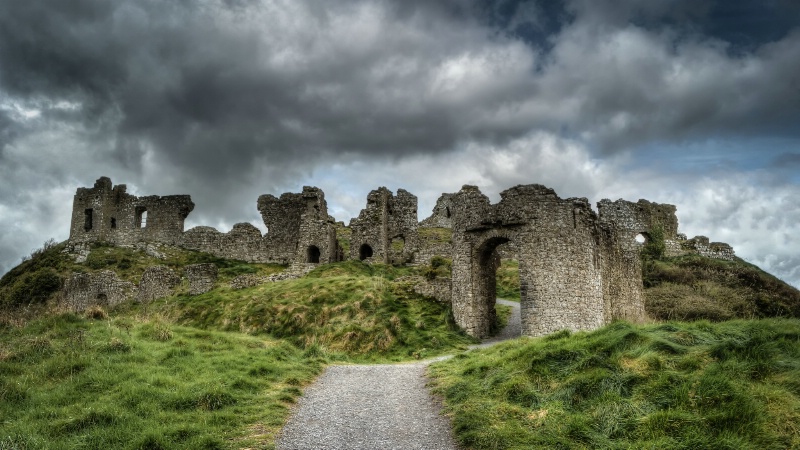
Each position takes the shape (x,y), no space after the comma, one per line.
(579,269)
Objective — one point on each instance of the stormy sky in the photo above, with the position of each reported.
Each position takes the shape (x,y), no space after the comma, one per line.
(690,102)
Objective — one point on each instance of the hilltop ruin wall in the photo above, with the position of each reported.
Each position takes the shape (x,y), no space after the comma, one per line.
(579,269)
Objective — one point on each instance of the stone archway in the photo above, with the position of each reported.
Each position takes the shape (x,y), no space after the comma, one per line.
(487,262)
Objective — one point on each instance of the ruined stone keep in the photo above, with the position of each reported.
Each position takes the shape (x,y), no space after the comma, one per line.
(579,269)
(386,230)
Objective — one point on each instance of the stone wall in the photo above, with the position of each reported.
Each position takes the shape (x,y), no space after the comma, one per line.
(244,242)
(699,245)
(201,277)
(104,288)
(299,229)
(386,230)
(157,282)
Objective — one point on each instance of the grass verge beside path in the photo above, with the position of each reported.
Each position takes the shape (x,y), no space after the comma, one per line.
(676,385)
(68,382)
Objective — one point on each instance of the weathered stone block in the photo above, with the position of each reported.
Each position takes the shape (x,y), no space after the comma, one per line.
(201,277)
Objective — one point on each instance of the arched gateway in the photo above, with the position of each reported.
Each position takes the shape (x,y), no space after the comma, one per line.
(571,265)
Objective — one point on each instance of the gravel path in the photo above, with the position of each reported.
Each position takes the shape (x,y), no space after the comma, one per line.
(512,330)
(368,407)
(384,406)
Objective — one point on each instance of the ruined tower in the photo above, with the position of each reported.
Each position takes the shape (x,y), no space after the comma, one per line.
(107,213)
(386,230)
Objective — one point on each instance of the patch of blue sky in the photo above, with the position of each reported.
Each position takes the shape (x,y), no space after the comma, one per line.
(781,155)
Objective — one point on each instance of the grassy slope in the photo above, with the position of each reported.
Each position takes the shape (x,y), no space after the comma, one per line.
(38,278)
(211,371)
(694,287)
(728,385)
(348,309)
(135,382)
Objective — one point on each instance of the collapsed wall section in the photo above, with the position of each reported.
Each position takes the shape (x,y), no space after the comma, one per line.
(386,229)
(442,214)
(104,288)
(622,222)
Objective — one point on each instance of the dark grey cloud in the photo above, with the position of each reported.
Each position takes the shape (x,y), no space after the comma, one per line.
(228,99)
(214,85)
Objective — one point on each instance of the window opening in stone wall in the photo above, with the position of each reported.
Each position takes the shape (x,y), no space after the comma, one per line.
(87,219)
(447,211)
(113,223)
(313,254)
(140,220)
(364,252)
(102,299)
(641,238)
(498,277)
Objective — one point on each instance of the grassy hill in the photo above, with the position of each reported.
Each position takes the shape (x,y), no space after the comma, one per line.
(701,385)
(217,370)
(221,369)
(140,382)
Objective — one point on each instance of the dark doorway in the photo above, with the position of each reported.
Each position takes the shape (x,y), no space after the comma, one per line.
(313,254)
(364,252)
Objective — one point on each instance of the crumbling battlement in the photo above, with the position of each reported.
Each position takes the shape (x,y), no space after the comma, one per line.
(699,245)
(441,216)
(386,230)
(632,219)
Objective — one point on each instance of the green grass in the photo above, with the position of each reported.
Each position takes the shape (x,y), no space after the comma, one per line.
(344,310)
(343,235)
(218,370)
(508,280)
(675,385)
(435,234)
(70,382)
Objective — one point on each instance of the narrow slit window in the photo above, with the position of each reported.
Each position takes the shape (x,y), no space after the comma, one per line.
(141,217)
(87,219)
